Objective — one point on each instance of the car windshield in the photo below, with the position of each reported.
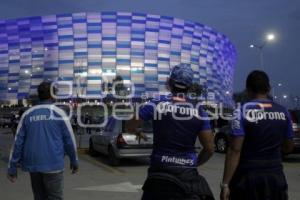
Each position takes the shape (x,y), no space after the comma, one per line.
(146,126)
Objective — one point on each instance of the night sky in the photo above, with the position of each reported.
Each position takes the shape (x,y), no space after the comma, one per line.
(244,22)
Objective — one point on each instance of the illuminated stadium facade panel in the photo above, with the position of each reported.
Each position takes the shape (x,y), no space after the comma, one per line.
(91,48)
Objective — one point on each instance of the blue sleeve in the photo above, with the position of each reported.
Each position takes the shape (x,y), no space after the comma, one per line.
(69,142)
(146,111)
(17,150)
(205,122)
(289,134)
(237,124)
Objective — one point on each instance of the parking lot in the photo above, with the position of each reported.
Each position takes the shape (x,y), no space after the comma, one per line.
(98,180)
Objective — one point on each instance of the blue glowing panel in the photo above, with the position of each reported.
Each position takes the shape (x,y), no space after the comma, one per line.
(51,54)
(80,53)
(163,51)
(123,46)
(137,54)
(88,49)
(109,47)
(151,55)
(4,58)
(65,50)
(94,50)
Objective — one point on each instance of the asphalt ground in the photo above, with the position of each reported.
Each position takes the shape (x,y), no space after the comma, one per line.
(97,180)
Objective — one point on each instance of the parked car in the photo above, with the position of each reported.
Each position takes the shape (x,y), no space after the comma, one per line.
(117,143)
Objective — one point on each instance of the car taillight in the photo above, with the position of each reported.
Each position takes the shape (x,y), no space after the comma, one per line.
(295,127)
(121,140)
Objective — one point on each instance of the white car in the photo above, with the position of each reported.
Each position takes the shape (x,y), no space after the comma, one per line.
(117,143)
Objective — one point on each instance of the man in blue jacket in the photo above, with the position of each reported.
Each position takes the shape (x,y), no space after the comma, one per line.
(43,136)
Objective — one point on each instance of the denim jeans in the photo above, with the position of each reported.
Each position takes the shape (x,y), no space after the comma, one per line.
(47,186)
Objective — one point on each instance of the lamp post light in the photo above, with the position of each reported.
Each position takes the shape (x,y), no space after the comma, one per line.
(284,99)
(274,88)
(268,38)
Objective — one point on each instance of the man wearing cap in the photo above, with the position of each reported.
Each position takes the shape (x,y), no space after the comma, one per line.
(176,125)
(43,136)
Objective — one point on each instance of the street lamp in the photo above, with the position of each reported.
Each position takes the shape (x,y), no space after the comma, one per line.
(273,89)
(268,38)
(284,99)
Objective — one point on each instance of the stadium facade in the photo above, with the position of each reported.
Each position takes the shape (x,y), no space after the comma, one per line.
(88,49)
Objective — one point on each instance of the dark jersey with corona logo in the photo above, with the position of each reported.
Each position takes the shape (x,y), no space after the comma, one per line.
(176,124)
(265,125)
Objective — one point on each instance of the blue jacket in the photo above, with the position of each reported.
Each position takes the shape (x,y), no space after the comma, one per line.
(43,136)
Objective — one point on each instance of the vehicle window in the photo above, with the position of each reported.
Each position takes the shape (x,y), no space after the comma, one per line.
(146,126)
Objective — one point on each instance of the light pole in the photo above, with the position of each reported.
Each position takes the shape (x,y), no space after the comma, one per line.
(273,90)
(269,38)
(285,97)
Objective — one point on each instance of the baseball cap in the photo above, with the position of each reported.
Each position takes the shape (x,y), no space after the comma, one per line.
(182,76)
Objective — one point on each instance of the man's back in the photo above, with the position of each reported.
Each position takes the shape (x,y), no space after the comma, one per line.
(177,130)
(265,131)
(45,134)
(176,126)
